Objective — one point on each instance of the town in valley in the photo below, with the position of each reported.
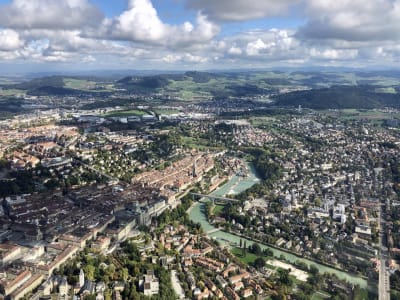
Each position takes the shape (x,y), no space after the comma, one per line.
(147,195)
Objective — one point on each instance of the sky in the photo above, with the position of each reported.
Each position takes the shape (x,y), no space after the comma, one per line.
(56,35)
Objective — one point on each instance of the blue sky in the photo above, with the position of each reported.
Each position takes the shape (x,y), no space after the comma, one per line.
(45,35)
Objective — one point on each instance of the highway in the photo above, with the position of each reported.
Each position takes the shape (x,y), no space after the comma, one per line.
(384,282)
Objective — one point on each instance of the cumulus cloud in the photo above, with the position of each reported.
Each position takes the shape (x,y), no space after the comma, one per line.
(9,40)
(140,23)
(254,48)
(235,50)
(261,43)
(352,20)
(75,31)
(187,57)
(49,14)
(240,10)
(333,54)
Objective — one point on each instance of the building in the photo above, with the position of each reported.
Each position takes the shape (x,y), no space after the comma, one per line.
(149,284)
(27,287)
(12,280)
(63,287)
(55,256)
(81,278)
(101,243)
(9,253)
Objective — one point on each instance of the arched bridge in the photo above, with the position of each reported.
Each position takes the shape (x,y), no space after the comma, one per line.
(214,198)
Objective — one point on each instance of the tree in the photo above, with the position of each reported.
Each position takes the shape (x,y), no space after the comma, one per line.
(268,252)
(89,271)
(124,274)
(256,249)
(284,277)
(259,262)
(314,270)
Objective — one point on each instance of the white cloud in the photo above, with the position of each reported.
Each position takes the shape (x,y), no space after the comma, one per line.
(89,59)
(9,40)
(235,50)
(187,57)
(333,54)
(49,14)
(140,23)
(240,10)
(352,20)
(336,32)
(256,43)
(254,48)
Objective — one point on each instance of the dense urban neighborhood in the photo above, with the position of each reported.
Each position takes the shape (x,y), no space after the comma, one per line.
(215,199)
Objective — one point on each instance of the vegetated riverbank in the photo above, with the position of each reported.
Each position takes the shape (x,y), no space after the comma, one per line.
(197,214)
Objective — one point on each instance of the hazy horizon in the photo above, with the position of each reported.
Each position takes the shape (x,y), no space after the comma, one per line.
(78,35)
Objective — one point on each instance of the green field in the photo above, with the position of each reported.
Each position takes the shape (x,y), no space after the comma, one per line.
(166,111)
(11,92)
(320,296)
(355,114)
(199,144)
(86,85)
(217,209)
(126,113)
(387,90)
(261,121)
(6,115)
(248,259)
(79,84)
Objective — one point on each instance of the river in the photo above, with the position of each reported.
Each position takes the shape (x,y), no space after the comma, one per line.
(236,185)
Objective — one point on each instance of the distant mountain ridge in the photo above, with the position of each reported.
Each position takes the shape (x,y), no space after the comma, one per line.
(325,89)
(339,97)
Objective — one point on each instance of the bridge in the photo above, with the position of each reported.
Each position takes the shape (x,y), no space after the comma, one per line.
(215,198)
(213,230)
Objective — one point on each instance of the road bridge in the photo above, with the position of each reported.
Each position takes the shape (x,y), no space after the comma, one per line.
(214,198)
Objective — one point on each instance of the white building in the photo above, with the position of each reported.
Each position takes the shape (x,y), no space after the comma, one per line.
(149,284)
(81,278)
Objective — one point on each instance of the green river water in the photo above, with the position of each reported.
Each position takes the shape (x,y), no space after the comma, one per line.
(236,185)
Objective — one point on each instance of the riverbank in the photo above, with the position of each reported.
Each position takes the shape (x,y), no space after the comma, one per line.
(196,214)
(270,246)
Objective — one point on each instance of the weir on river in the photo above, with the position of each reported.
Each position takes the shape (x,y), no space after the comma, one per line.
(236,185)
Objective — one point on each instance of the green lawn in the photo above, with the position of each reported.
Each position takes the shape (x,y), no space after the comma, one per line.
(11,92)
(166,111)
(217,209)
(354,114)
(261,121)
(198,143)
(249,258)
(79,84)
(319,296)
(126,113)
(360,294)
(387,90)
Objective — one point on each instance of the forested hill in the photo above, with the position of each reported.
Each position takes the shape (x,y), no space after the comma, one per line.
(339,97)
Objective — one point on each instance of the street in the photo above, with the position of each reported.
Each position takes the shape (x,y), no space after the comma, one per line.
(384,283)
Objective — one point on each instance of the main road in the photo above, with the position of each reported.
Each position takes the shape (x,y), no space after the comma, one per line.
(384,280)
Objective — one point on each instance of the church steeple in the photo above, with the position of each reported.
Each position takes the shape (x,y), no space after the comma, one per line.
(195,169)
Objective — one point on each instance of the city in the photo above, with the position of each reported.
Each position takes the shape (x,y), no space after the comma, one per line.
(304,183)
(198,149)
